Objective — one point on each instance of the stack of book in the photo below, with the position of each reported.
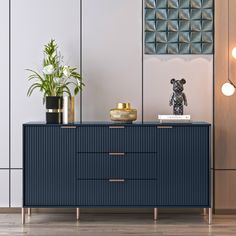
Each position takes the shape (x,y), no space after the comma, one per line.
(174,118)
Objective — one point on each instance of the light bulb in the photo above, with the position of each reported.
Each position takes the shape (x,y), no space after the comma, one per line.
(234,53)
(228,89)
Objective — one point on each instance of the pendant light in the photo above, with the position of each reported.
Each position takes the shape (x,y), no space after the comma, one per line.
(228,89)
(234,52)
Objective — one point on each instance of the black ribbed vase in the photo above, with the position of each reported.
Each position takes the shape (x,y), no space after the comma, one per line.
(54,110)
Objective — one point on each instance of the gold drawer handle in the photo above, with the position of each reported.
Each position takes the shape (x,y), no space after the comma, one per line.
(116,180)
(164,127)
(68,127)
(116,127)
(116,154)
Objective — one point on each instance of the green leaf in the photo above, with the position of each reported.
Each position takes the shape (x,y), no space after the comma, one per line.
(46,83)
(76,90)
(37,74)
(32,88)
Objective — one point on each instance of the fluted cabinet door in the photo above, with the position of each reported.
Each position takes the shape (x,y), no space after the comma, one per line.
(4,94)
(112,56)
(34,23)
(49,166)
(184,158)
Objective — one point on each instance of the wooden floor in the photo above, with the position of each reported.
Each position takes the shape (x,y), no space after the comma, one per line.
(117,225)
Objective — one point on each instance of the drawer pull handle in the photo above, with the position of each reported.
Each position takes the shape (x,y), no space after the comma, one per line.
(116,180)
(116,127)
(68,127)
(116,153)
(164,127)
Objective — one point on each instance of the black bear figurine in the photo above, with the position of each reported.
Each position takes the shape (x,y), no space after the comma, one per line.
(178,98)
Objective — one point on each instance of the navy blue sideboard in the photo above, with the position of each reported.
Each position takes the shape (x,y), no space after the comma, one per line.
(116,165)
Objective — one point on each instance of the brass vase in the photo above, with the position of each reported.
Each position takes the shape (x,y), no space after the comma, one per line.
(123,113)
(68,110)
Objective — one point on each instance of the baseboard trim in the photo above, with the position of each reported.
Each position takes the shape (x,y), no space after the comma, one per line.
(225,211)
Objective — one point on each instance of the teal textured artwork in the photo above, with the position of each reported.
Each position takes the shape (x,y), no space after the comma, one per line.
(179,26)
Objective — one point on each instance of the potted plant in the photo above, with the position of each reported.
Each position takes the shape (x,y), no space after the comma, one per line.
(55,80)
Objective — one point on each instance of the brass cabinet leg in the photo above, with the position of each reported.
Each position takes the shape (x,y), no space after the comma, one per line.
(210,216)
(23,215)
(77,214)
(204,211)
(155,213)
(29,211)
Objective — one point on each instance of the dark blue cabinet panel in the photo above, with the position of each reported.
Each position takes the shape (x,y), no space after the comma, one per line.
(102,193)
(146,165)
(117,139)
(184,158)
(122,165)
(49,166)
(92,139)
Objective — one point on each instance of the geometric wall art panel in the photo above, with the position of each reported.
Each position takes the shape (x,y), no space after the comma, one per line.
(179,26)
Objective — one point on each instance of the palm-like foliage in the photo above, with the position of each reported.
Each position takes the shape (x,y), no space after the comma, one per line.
(56,78)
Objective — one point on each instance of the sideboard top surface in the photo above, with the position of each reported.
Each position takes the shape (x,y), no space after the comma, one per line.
(105,123)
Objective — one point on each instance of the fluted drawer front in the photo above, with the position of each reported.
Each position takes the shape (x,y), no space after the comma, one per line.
(49,166)
(185,159)
(117,193)
(117,165)
(126,138)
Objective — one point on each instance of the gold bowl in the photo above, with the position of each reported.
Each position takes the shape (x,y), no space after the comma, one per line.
(123,113)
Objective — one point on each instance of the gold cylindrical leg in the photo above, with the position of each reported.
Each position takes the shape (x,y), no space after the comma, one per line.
(23,215)
(77,214)
(155,213)
(204,211)
(210,216)
(29,211)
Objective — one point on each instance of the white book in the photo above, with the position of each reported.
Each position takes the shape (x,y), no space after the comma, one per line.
(174,118)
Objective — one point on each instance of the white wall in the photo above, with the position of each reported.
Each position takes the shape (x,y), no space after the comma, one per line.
(198,73)
(4,94)
(112,56)
(34,23)
(16,188)
(4,104)
(4,186)
(112,69)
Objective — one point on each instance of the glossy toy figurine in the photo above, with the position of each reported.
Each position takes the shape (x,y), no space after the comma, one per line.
(178,98)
